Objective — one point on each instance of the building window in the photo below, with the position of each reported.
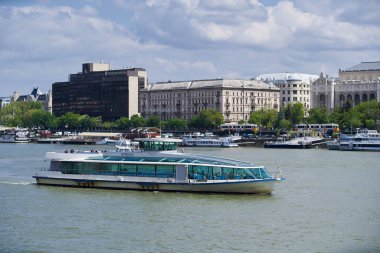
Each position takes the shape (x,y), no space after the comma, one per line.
(294,98)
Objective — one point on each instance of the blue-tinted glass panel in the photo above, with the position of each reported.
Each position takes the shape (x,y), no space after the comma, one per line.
(146,170)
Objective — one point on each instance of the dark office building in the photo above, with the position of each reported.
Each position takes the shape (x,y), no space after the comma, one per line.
(99,91)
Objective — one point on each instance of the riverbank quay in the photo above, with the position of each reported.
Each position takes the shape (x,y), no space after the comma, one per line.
(243,142)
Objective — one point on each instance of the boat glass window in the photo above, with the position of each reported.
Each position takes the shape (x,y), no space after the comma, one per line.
(89,168)
(128,169)
(165,171)
(145,170)
(109,168)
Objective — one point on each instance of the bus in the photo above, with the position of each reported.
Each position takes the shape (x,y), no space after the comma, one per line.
(235,127)
(328,128)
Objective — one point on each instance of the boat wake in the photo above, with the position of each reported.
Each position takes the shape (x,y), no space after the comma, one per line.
(15,183)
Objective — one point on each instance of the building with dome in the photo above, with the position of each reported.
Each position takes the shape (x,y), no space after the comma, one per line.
(294,87)
(235,99)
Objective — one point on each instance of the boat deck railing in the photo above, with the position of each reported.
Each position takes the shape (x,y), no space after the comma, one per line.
(277,174)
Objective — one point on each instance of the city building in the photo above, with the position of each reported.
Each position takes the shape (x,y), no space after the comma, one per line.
(4,101)
(35,95)
(235,99)
(355,84)
(294,87)
(100,91)
(323,92)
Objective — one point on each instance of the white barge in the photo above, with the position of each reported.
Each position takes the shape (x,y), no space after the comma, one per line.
(160,167)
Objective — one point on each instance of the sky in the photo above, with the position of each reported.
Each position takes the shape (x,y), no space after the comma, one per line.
(43,41)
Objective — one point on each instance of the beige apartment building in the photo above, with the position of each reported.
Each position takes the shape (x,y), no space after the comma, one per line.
(235,99)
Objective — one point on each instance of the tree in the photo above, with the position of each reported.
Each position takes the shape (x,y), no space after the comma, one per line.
(370,124)
(37,118)
(136,121)
(368,110)
(153,121)
(285,124)
(88,122)
(69,120)
(297,113)
(269,117)
(122,122)
(13,113)
(336,116)
(107,125)
(318,116)
(207,119)
(256,118)
(175,124)
(264,117)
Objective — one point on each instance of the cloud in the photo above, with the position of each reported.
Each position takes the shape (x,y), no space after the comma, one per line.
(184,39)
(219,23)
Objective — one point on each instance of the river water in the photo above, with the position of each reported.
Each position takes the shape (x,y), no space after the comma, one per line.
(329,202)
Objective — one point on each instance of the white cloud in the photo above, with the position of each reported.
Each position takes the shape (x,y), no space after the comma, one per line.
(184,39)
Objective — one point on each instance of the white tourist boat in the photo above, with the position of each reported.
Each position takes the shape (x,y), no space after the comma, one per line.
(106,141)
(14,135)
(363,140)
(156,166)
(225,142)
(295,143)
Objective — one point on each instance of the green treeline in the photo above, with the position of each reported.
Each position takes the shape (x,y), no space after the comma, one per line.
(32,115)
(363,115)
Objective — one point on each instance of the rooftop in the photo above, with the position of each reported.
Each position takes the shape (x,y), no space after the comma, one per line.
(196,84)
(286,76)
(363,66)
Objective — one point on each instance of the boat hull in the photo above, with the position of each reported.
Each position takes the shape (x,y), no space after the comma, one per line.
(262,186)
(289,146)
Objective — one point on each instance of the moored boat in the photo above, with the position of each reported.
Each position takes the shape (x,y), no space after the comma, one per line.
(14,135)
(296,143)
(363,140)
(226,142)
(156,165)
(106,141)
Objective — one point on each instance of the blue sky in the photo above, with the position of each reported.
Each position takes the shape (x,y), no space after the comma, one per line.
(43,41)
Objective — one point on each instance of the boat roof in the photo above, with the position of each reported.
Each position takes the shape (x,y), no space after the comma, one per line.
(158,140)
(100,134)
(180,160)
